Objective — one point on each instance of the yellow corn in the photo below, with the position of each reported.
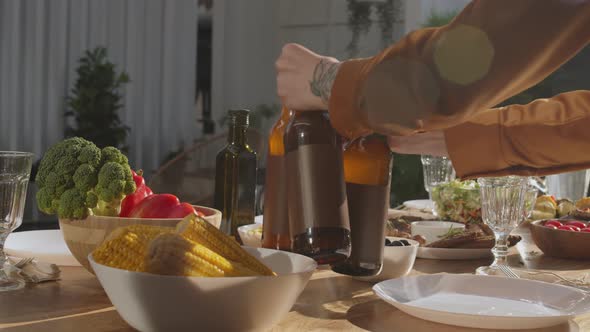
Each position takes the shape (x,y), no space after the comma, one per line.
(172,254)
(125,247)
(198,230)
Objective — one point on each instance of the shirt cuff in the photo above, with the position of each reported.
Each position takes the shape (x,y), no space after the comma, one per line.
(346,115)
(476,150)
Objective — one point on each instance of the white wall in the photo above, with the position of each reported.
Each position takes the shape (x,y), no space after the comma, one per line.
(153,40)
(248,36)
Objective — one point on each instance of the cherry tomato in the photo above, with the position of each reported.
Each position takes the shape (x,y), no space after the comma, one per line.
(587,230)
(553,223)
(576,223)
(569,228)
(552,227)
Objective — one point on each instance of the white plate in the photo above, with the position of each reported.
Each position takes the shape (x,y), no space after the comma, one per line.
(420,204)
(483,301)
(453,253)
(46,246)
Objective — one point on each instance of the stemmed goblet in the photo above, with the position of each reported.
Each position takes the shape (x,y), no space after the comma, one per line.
(15,169)
(503,209)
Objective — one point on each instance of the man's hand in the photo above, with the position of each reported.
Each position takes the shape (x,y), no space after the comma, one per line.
(304,78)
(430,143)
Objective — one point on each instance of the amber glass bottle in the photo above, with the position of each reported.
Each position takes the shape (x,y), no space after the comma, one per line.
(275,229)
(367,171)
(318,210)
(235,177)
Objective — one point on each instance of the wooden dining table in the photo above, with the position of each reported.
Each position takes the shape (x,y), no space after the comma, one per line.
(330,301)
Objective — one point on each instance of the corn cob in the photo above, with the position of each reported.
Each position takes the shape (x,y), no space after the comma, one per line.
(125,247)
(172,254)
(198,230)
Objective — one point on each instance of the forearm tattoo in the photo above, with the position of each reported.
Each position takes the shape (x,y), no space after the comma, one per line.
(323,78)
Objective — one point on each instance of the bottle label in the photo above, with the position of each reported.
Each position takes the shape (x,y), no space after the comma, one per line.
(276,216)
(367,206)
(315,188)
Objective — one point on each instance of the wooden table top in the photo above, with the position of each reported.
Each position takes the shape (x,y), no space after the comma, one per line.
(329,302)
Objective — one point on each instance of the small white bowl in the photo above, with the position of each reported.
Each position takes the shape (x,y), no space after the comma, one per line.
(433,230)
(250,236)
(151,302)
(397,261)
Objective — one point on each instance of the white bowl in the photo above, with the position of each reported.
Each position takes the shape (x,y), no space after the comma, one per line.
(433,230)
(150,302)
(397,261)
(249,236)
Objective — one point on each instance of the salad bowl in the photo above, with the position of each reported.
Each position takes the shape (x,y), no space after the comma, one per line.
(458,201)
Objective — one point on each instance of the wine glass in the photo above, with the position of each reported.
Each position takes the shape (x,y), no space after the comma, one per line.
(503,209)
(436,170)
(15,169)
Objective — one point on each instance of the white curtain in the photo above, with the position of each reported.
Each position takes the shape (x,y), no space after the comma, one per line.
(153,40)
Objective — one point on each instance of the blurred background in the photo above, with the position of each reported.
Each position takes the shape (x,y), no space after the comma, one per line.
(172,69)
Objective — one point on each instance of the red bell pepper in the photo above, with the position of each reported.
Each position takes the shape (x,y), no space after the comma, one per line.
(162,206)
(142,191)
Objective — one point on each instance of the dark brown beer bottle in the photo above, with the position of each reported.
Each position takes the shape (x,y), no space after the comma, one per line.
(275,229)
(367,171)
(235,177)
(318,210)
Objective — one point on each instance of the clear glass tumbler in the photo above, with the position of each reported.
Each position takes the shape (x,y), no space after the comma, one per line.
(503,209)
(436,170)
(15,169)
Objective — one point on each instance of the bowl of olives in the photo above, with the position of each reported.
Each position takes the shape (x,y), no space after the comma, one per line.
(399,256)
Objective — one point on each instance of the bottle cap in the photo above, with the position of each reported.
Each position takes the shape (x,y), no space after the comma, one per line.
(239,118)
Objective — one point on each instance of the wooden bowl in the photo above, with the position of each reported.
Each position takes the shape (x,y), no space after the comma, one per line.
(560,243)
(83,236)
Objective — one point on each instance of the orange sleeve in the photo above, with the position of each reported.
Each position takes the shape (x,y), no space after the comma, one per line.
(544,137)
(438,78)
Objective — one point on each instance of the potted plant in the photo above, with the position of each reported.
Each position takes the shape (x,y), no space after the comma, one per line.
(95,101)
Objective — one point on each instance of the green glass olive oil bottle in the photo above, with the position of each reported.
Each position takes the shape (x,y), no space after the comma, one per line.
(235,177)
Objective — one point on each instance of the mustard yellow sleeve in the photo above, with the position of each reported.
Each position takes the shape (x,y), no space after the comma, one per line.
(439,78)
(544,137)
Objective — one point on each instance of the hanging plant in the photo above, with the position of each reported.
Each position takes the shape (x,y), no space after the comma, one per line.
(359,20)
(388,13)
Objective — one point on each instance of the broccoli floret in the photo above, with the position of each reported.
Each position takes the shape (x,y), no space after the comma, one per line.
(66,149)
(113,154)
(114,182)
(91,200)
(44,200)
(90,155)
(76,178)
(72,205)
(85,177)
(57,184)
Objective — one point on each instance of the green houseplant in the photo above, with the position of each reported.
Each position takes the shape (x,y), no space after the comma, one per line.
(95,100)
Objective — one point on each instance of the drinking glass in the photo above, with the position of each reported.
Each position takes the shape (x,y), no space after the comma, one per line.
(15,169)
(436,170)
(502,208)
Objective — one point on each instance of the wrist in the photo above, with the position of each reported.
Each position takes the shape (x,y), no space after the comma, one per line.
(322,79)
